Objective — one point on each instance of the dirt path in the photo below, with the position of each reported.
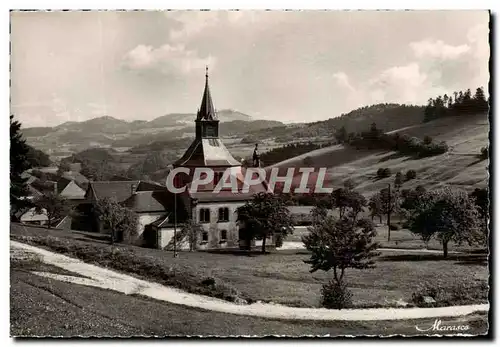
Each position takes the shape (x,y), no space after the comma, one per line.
(107,279)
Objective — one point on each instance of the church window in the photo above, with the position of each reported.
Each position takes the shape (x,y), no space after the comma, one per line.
(223,214)
(204,215)
(223,235)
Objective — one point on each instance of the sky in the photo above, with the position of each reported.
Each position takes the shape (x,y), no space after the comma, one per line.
(291,66)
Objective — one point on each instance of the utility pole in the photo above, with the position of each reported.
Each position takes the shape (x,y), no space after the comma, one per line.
(175,225)
(389,214)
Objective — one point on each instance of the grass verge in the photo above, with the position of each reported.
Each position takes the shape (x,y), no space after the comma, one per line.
(126,260)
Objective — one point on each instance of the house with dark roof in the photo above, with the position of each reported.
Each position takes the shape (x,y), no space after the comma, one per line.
(149,201)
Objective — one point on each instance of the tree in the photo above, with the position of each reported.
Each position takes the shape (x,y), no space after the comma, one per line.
(121,222)
(398,180)
(265,215)
(53,205)
(191,230)
(447,214)
(348,200)
(482,201)
(375,206)
(341,135)
(340,244)
(63,167)
(411,175)
(383,173)
(389,203)
(18,164)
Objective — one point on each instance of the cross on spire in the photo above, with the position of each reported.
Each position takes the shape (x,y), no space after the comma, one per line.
(207,110)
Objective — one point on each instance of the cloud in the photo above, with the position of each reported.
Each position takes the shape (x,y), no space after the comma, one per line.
(192,23)
(167,59)
(437,49)
(342,80)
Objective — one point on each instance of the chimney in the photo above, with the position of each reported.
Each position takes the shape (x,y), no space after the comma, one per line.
(133,188)
(55,188)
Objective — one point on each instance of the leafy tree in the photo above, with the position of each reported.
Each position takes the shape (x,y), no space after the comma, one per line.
(339,244)
(38,158)
(348,200)
(398,180)
(18,164)
(448,214)
(308,161)
(53,205)
(410,198)
(389,203)
(411,175)
(63,167)
(265,215)
(375,206)
(383,173)
(482,200)
(191,230)
(341,135)
(121,222)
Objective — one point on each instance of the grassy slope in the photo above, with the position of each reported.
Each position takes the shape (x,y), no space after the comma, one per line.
(459,167)
(284,277)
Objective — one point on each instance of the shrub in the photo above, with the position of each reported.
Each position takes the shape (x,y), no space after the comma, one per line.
(336,296)
(411,175)
(484,153)
(278,240)
(445,294)
(427,140)
(394,227)
(209,281)
(383,172)
(308,161)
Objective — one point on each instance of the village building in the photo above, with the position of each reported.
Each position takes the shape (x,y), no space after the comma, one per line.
(162,213)
(216,212)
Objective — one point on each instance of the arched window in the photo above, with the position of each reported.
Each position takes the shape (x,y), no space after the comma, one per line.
(204,215)
(223,235)
(223,214)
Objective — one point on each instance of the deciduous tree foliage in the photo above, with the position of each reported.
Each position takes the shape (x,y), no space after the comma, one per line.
(266,214)
(54,205)
(449,215)
(121,222)
(340,243)
(191,230)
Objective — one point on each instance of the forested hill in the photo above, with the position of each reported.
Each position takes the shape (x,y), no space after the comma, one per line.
(387,116)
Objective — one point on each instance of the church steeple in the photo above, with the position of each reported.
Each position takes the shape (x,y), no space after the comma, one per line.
(207,110)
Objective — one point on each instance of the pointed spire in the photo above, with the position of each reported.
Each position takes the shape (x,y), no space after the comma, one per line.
(207,110)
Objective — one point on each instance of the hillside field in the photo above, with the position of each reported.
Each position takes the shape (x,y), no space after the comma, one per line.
(460,166)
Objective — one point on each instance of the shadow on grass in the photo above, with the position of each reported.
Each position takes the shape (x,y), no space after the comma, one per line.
(463,259)
(476,162)
(392,156)
(237,252)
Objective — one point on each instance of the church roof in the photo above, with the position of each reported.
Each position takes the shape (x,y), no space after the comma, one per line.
(207,110)
(207,153)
